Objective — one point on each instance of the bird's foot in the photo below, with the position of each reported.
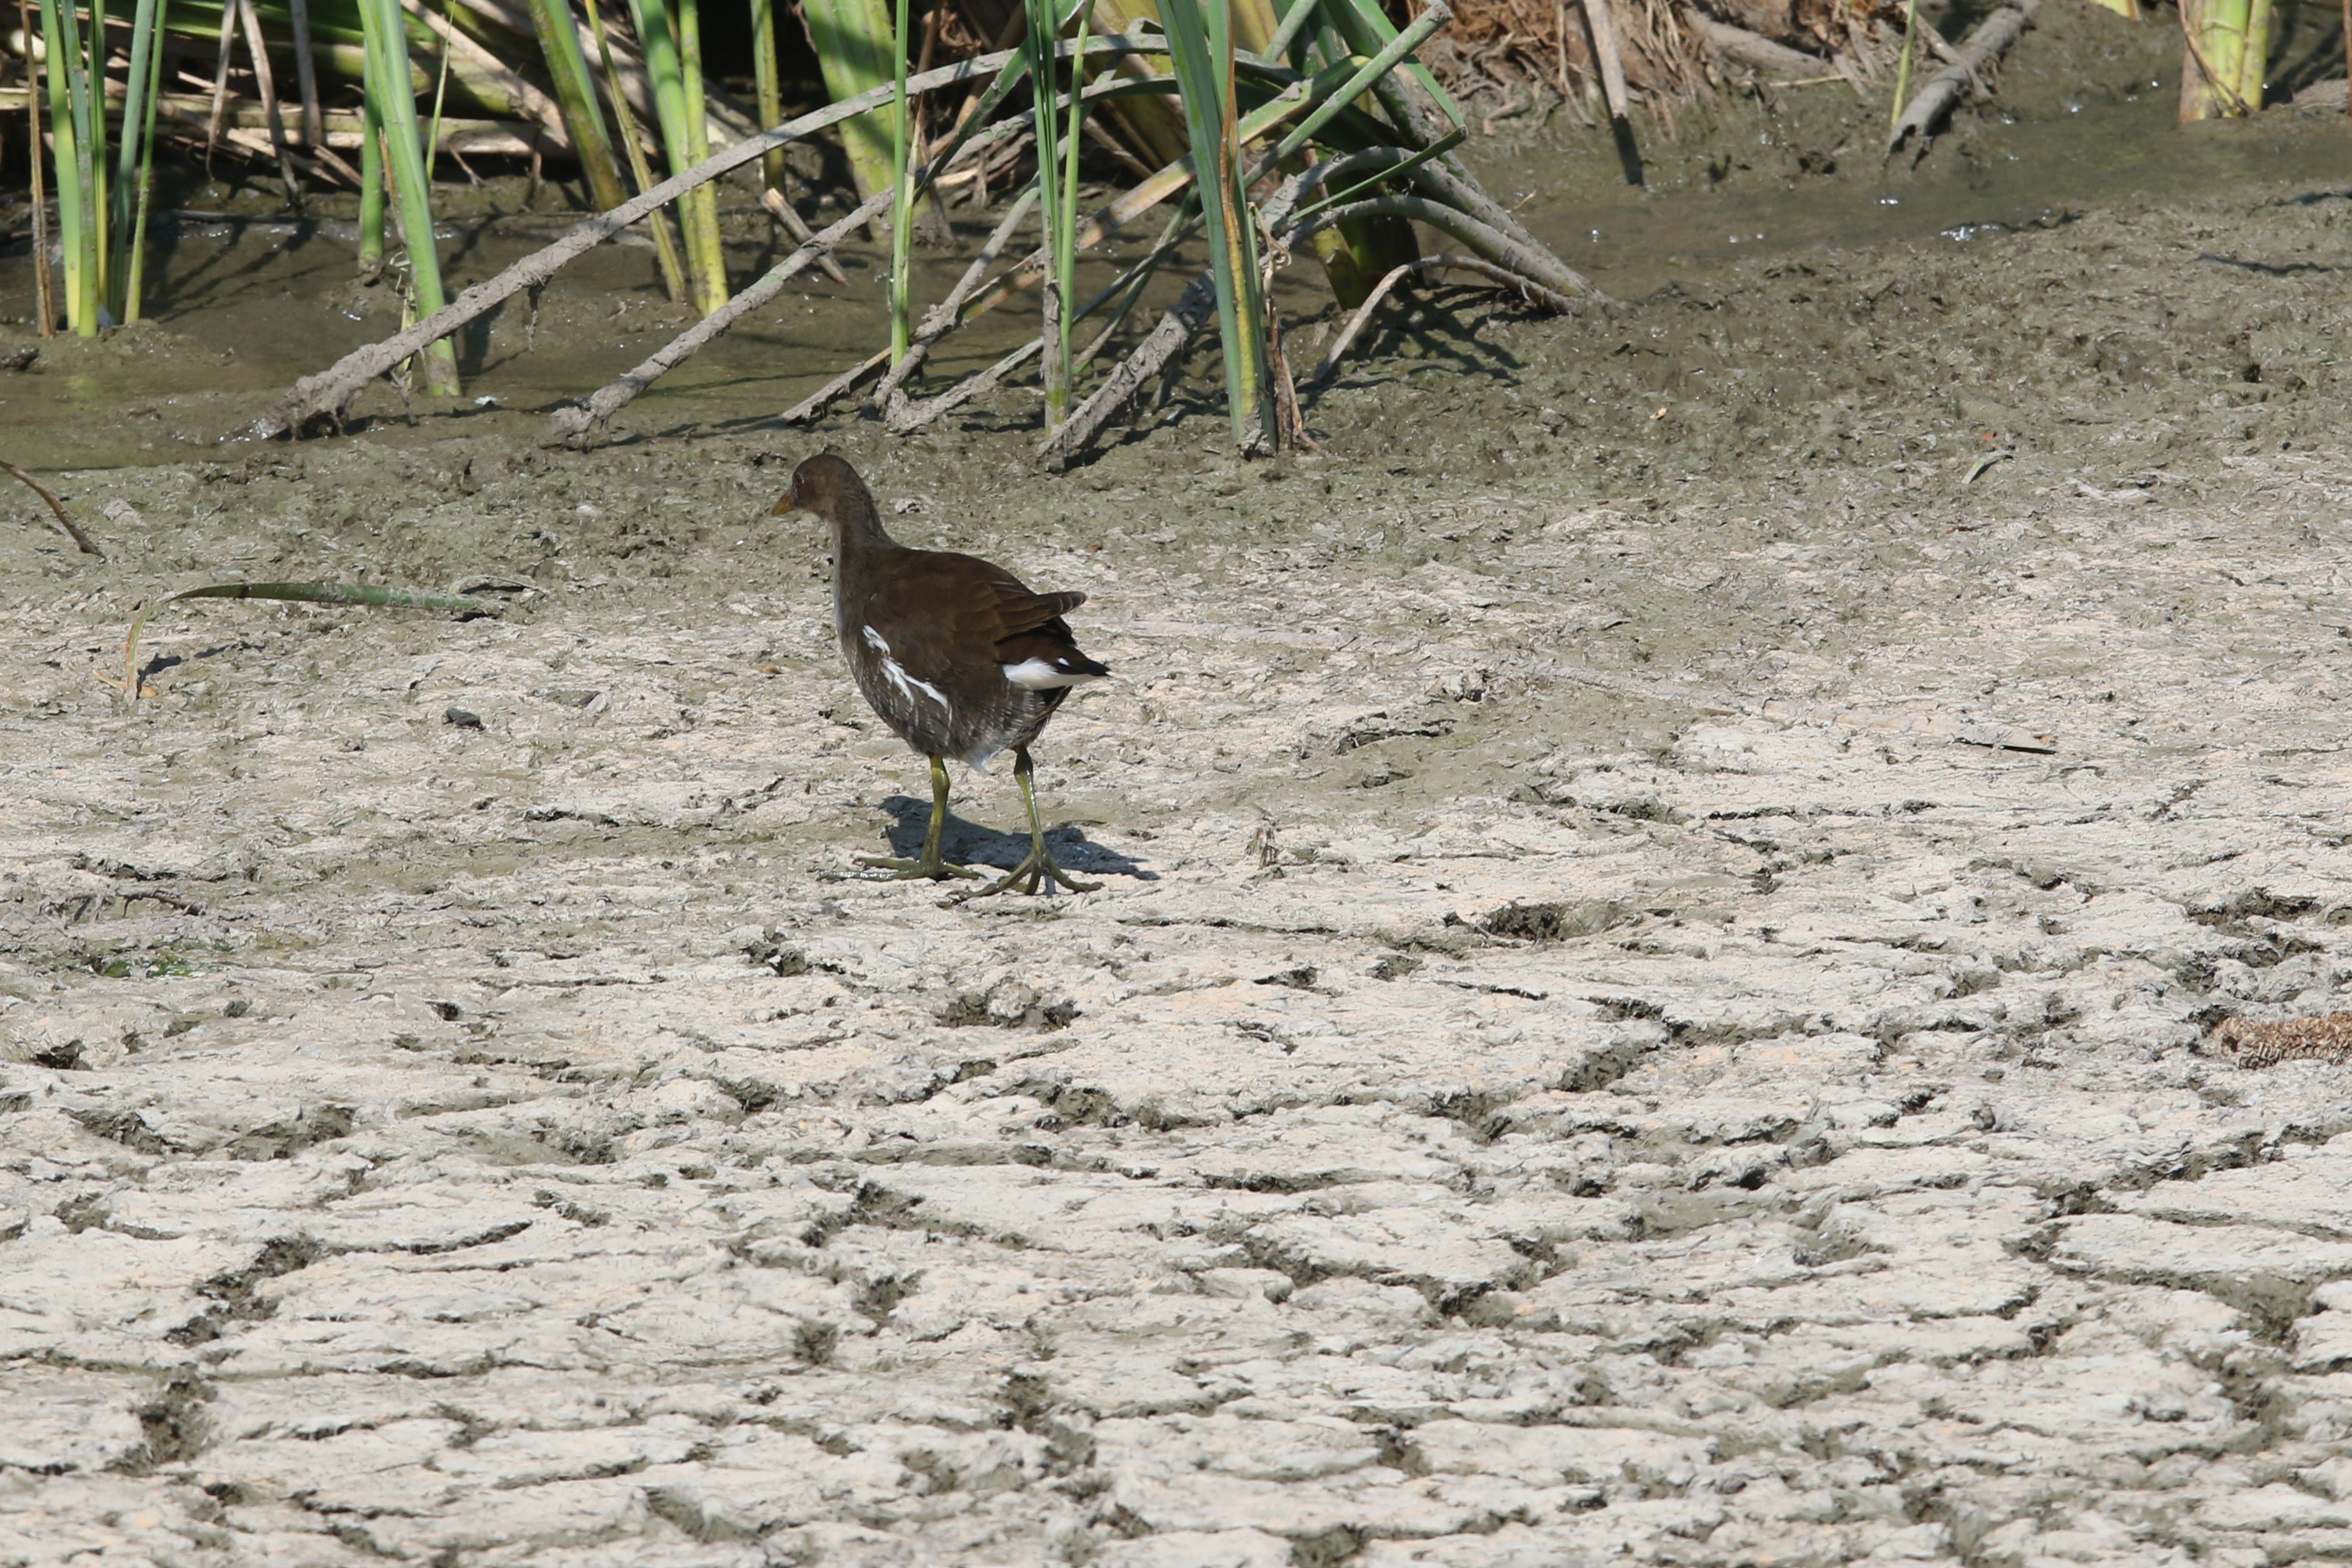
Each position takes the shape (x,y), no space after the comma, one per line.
(930,868)
(1034,871)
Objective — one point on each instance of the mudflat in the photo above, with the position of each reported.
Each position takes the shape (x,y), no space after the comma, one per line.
(1663,908)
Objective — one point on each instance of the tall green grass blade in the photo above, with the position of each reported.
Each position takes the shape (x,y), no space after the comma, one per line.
(77,209)
(768,88)
(665,74)
(372,189)
(135,272)
(1057,121)
(1296,15)
(390,89)
(701,205)
(666,250)
(92,127)
(136,93)
(902,209)
(1367,30)
(1201,42)
(1065,248)
(854,43)
(1398,48)
(575,95)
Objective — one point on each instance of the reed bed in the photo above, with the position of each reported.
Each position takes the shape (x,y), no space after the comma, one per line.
(1255,132)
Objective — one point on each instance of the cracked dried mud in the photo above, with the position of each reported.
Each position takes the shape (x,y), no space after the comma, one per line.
(1659,918)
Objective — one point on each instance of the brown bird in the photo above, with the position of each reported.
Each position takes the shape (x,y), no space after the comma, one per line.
(953,652)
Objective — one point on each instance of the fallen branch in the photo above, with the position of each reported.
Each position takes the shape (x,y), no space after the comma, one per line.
(72,529)
(833,391)
(773,200)
(1555,287)
(1752,48)
(1991,39)
(328,395)
(907,417)
(571,425)
(1532,292)
(1187,316)
(942,317)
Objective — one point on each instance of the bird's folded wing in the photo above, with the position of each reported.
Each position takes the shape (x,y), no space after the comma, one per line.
(942,611)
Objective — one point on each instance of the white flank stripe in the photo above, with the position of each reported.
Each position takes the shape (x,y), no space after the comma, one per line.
(874,641)
(1039,676)
(908,685)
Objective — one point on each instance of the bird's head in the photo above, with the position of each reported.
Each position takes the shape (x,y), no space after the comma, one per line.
(827,486)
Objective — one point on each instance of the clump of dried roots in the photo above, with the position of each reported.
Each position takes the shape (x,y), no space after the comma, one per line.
(2250,1043)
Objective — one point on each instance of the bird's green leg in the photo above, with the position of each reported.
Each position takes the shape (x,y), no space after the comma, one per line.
(929,865)
(1039,867)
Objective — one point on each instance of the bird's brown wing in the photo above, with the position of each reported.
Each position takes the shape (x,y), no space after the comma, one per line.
(942,612)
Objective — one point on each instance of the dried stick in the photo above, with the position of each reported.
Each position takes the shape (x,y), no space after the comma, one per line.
(1602,25)
(941,317)
(220,82)
(1991,39)
(797,226)
(44,292)
(907,417)
(305,77)
(266,84)
(1752,48)
(1536,270)
(328,394)
(523,98)
(72,529)
(833,391)
(1184,318)
(573,424)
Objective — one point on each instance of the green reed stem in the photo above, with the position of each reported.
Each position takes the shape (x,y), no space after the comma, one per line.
(575,95)
(902,208)
(389,88)
(665,248)
(664,75)
(768,86)
(1200,43)
(135,273)
(701,204)
(372,189)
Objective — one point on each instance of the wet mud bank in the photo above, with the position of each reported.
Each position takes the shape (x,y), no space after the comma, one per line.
(1661,905)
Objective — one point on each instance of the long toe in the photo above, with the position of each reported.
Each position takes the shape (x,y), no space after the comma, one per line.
(913,870)
(1054,869)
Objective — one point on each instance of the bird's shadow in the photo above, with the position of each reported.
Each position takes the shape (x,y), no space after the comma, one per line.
(970,844)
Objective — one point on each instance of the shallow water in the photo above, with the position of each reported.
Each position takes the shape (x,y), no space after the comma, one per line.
(247,301)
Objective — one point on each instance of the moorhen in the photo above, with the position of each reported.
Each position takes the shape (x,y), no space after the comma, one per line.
(953,652)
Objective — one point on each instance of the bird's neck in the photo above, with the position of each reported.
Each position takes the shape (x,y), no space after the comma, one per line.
(862,557)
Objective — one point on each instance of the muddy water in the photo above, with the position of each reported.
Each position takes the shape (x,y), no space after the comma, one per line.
(248,299)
